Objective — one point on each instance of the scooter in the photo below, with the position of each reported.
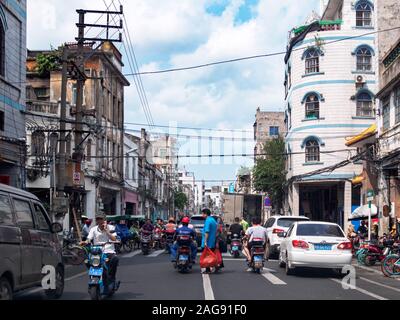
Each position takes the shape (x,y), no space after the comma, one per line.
(183,262)
(145,242)
(169,240)
(100,284)
(257,255)
(236,246)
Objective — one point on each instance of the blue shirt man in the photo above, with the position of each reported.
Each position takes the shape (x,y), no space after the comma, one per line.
(209,230)
(185,231)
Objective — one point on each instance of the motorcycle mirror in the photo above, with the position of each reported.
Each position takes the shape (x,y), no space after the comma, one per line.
(56,227)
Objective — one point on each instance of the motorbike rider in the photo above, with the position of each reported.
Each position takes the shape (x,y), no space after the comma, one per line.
(185,231)
(101,233)
(255,232)
(122,231)
(170,226)
(236,228)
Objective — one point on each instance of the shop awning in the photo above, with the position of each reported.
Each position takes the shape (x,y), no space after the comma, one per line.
(358,179)
(370,132)
(362,212)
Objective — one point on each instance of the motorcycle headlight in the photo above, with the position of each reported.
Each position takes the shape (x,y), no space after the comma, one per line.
(95,261)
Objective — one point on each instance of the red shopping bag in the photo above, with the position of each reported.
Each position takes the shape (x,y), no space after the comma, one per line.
(219,256)
(208,258)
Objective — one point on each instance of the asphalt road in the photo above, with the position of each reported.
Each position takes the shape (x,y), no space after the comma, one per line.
(154,278)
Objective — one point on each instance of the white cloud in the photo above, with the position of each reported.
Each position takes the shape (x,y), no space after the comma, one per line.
(180,33)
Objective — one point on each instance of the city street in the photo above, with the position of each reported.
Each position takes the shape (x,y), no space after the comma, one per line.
(153,278)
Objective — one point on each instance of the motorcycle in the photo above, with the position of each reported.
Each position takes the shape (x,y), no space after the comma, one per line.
(169,240)
(370,253)
(145,242)
(72,253)
(236,246)
(183,262)
(100,284)
(158,239)
(257,256)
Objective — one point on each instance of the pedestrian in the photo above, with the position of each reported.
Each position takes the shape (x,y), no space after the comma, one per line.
(86,229)
(209,236)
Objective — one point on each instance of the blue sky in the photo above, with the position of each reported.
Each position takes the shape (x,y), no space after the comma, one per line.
(170,33)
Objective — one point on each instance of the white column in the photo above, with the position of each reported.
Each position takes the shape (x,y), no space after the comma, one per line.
(295,199)
(347,203)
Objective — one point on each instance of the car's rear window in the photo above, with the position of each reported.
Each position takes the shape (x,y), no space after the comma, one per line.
(197,220)
(287,222)
(319,230)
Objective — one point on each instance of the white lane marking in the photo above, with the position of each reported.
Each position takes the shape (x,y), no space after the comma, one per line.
(271,278)
(373,295)
(155,253)
(208,291)
(374,271)
(131,254)
(380,284)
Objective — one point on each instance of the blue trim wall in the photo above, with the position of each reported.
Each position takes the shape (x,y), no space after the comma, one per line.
(333,125)
(11,103)
(323,82)
(17,8)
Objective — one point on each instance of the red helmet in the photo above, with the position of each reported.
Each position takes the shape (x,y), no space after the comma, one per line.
(185,220)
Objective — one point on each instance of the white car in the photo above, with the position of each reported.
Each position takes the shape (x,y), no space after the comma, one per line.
(275,225)
(314,244)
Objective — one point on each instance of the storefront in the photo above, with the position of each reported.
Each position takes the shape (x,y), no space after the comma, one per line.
(131,201)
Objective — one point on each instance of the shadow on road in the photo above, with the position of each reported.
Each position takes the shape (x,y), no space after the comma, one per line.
(318,273)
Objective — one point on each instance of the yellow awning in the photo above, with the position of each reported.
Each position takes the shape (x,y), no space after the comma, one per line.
(358,179)
(363,135)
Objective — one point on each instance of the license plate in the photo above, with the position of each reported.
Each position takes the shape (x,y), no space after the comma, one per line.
(322,246)
(257,258)
(97,272)
(235,248)
(184,258)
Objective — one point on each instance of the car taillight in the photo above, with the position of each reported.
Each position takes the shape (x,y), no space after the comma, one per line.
(345,246)
(277,230)
(300,244)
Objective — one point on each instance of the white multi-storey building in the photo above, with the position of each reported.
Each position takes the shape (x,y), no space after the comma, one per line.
(329,85)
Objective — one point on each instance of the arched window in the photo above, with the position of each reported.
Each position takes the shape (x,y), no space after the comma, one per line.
(364,105)
(312,61)
(312,107)
(364,59)
(363,14)
(312,151)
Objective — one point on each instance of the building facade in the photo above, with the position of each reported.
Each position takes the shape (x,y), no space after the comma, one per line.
(329,88)
(388,100)
(268,125)
(103,116)
(12,92)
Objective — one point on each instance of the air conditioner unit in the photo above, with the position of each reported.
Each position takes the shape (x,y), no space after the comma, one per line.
(359,79)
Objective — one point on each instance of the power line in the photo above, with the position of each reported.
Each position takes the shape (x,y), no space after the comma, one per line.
(232,60)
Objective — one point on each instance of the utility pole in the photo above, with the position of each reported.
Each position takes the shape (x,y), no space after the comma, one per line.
(78,154)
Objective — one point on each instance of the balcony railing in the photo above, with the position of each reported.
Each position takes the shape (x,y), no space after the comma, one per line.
(42,107)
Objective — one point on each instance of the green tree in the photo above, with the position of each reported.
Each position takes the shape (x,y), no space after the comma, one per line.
(269,174)
(47,62)
(181,200)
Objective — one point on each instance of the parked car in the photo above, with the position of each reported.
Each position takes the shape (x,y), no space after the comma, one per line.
(274,226)
(28,241)
(198,224)
(314,244)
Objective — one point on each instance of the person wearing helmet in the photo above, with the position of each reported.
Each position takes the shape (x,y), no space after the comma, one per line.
(185,231)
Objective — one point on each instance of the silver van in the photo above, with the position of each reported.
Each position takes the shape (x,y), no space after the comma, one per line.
(28,242)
